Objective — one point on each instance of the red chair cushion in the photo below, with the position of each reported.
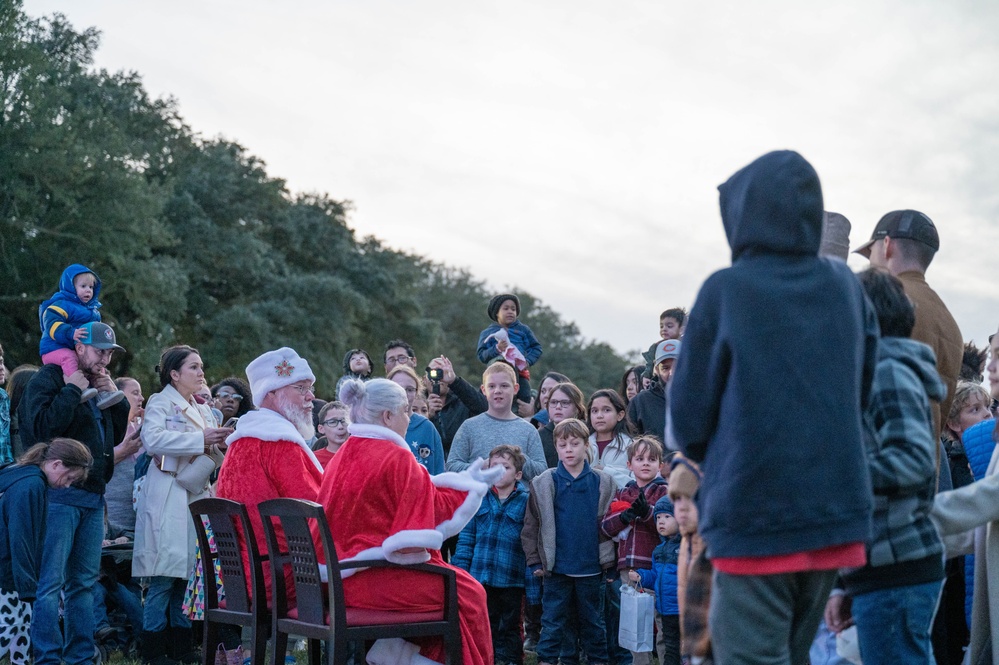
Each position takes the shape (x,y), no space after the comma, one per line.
(358,616)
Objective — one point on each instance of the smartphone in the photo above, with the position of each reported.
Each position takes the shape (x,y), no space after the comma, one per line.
(231,422)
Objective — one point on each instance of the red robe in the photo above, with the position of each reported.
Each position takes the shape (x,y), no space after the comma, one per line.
(278,464)
(379,499)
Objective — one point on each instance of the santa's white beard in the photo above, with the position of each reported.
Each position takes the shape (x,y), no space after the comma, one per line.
(297,415)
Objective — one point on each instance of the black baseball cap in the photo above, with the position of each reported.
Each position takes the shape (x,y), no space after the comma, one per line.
(910,224)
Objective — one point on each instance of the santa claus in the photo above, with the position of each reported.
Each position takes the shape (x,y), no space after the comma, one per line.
(381,503)
(268,456)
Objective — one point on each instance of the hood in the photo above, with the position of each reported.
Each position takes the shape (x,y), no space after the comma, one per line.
(13,473)
(773,206)
(68,291)
(919,358)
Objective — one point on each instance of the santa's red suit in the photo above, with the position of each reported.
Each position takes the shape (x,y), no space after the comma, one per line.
(268,459)
(379,500)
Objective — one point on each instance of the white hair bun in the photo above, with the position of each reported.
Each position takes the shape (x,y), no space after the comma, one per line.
(352,392)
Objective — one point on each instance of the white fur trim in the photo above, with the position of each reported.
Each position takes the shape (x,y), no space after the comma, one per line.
(426,539)
(366,431)
(268,425)
(464,482)
(396,651)
(274,370)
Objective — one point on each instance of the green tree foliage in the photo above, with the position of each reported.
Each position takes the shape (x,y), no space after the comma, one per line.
(195,243)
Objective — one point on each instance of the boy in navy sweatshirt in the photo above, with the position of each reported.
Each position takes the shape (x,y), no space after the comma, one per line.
(563,544)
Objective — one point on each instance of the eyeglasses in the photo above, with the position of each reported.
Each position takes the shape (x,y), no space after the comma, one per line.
(233,396)
(335,422)
(302,390)
(560,403)
(395,360)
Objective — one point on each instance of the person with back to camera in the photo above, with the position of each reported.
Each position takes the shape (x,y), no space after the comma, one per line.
(507,337)
(773,376)
(61,319)
(380,503)
(186,446)
(23,507)
(894,597)
(422,436)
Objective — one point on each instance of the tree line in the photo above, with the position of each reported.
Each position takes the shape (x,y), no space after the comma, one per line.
(196,243)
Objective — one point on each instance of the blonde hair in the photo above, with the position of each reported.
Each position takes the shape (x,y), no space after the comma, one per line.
(500,366)
(411,373)
(965,394)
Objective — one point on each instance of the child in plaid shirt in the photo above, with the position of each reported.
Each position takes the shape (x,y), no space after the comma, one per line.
(630,522)
(489,549)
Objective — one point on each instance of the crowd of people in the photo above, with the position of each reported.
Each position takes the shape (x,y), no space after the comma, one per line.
(794,460)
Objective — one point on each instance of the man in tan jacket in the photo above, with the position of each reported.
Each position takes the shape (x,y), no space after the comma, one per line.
(904,243)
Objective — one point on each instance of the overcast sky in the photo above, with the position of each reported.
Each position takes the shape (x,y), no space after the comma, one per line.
(573,149)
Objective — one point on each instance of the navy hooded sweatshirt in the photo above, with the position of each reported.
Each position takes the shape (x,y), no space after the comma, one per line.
(774,374)
(22,528)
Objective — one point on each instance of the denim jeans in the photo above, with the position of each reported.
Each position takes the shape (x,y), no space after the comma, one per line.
(582,597)
(123,597)
(505,620)
(71,561)
(893,625)
(165,597)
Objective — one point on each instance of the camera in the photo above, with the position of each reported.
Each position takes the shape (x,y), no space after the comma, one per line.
(435,375)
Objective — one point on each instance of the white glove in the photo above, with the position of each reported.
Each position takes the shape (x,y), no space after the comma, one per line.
(488,476)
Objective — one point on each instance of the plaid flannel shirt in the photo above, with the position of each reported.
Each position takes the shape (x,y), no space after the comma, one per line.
(901,451)
(489,546)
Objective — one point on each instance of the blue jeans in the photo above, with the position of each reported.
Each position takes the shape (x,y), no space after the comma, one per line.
(565,597)
(121,596)
(71,561)
(893,625)
(165,597)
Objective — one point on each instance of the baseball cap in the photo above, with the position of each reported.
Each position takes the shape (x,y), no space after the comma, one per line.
(100,336)
(667,349)
(910,224)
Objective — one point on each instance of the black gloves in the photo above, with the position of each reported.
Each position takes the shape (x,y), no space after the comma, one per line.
(639,509)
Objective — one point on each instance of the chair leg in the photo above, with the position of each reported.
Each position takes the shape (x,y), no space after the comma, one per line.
(452,645)
(315,651)
(210,640)
(280,644)
(259,638)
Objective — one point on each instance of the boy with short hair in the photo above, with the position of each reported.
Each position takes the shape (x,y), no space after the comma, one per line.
(662,579)
(563,544)
(334,419)
(489,549)
(634,527)
(510,339)
(670,327)
(480,434)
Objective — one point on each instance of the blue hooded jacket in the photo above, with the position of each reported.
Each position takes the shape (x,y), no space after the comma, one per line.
(774,374)
(63,313)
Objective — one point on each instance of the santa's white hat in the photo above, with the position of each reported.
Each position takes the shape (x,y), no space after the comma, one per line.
(274,370)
